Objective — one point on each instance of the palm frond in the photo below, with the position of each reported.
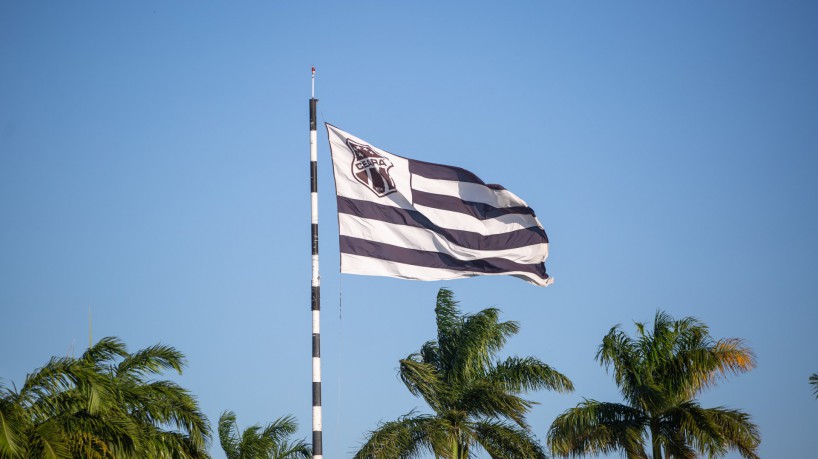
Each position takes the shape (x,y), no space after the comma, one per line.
(632,373)
(702,363)
(93,435)
(175,445)
(618,351)
(55,376)
(407,438)
(298,449)
(11,421)
(482,335)
(506,441)
(48,442)
(687,428)
(293,450)
(594,427)
(151,361)
(104,352)
(272,441)
(737,429)
(430,353)
(229,434)
(528,374)
(489,399)
(178,407)
(447,316)
(253,444)
(280,429)
(422,380)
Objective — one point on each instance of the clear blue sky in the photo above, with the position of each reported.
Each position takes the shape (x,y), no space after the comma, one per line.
(154,166)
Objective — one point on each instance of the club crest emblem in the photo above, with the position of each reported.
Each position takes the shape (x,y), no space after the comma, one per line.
(371,169)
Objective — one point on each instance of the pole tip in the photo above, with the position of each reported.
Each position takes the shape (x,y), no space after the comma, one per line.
(313,70)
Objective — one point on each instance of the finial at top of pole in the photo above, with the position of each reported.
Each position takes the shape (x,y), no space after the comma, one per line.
(313,82)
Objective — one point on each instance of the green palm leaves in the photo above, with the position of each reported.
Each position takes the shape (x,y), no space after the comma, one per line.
(473,395)
(255,442)
(659,373)
(109,403)
(103,404)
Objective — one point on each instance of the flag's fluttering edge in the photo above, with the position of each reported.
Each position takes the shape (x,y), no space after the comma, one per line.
(400,217)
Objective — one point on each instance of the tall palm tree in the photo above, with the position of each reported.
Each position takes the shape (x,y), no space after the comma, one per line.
(660,372)
(475,399)
(103,405)
(255,442)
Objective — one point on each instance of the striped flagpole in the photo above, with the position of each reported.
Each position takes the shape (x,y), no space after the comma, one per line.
(316,284)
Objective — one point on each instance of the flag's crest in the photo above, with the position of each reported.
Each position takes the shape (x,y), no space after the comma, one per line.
(429,221)
(371,169)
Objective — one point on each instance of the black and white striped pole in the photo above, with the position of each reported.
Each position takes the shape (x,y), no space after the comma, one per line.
(317,449)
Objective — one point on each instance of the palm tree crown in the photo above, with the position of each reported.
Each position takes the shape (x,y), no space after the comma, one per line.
(103,405)
(660,372)
(471,394)
(255,442)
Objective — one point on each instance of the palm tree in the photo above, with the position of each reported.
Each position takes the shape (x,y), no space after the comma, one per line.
(102,405)
(660,372)
(167,416)
(271,442)
(475,400)
(814,381)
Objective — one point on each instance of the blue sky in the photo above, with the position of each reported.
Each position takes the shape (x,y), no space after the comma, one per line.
(154,167)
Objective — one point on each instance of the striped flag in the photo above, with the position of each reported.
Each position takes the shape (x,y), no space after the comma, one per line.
(400,217)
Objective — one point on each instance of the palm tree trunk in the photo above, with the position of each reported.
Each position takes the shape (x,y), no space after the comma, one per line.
(654,438)
(459,450)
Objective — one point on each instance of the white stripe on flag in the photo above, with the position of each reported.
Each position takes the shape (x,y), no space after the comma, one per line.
(366,266)
(462,222)
(423,239)
(467,191)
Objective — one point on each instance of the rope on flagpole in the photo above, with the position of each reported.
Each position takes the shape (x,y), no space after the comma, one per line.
(339,409)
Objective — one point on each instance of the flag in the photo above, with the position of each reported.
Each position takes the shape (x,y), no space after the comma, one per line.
(405,218)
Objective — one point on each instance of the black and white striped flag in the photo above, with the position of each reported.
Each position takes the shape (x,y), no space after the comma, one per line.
(411,219)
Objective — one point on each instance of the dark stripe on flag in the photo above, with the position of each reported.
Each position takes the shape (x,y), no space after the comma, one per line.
(442,172)
(511,240)
(362,247)
(477,210)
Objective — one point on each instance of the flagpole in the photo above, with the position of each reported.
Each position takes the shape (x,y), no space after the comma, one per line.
(317,448)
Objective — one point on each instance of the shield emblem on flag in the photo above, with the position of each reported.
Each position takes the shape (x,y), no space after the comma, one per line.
(371,169)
